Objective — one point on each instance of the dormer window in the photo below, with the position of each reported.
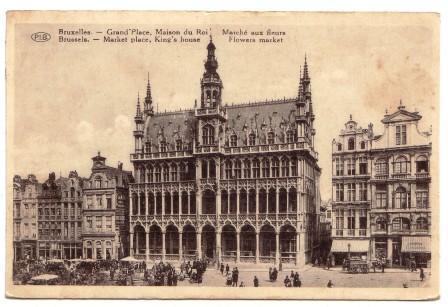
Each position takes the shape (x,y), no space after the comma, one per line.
(233,141)
(363,145)
(289,136)
(351,144)
(163,146)
(252,139)
(339,147)
(98,182)
(271,138)
(179,145)
(148,147)
(400,135)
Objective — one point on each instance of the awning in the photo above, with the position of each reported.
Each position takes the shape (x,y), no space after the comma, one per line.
(416,244)
(356,246)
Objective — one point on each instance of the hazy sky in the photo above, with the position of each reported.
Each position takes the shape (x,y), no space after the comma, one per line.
(72,100)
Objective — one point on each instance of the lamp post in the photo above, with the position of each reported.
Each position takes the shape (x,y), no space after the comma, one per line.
(348,246)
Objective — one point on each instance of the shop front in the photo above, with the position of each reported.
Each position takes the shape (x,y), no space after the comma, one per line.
(417,248)
(343,249)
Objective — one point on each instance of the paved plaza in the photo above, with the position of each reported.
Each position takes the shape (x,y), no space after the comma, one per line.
(319,277)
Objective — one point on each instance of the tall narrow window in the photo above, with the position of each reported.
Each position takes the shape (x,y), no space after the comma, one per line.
(208,135)
(238,169)
(252,139)
(339,192)
(351,144)
(400,135)
(381,196)
(246,169)
(271,138)
(363,191)
(275,168)
(351,166)
(339,167)
(294,167)
(401,165)
(256,168)
(285,167)
(233,140)
(290,136)
(148,147)
(228,167)
(363,166)
(162,146)
(178,145)
(339,222)
(351,191)
(265,168)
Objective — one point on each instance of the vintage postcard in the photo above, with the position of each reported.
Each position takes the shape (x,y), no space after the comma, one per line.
(215,154)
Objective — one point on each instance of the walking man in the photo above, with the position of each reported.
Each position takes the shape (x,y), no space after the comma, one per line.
(222,268)
(422,274)
(255,282)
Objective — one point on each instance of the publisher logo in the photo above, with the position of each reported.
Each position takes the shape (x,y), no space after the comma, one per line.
(40,37)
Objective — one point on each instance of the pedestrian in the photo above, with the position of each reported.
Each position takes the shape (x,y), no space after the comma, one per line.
(255,282)
(328,263)
(296,280)
(292,275)
(287,282)
(422,274)
(222,268)
(227,269)
(383,264)
(270,274)
(330,284)
(229,279)
(242,285)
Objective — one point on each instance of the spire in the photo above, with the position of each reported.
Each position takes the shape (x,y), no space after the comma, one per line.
(149,110)
(305,70)
(211,64)
(139,112)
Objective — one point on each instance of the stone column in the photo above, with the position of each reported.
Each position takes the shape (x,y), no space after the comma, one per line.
(131,242)
(237,202)
(276,203)
(171,202)
(389,250)
(147,245)
(298,249)
(218,246)
(155,203)
(163,246)
(237,246)
(163,204)
(257,247)
(179,203)
(218,204)
(277,248)
(198,203)
(147,203)
(181,252)
(198,244)
(188,195)
(138,204)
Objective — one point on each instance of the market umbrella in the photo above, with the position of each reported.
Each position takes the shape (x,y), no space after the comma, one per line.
(45,277)
(130,259)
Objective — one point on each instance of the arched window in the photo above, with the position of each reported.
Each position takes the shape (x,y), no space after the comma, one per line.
(339,147)
(173,172)
(351,144)
(233,140)
(157,172)
(401,198)
(246,172)
(182,172)
(238,169)
(252,139)
(148,147)
(98,182)
(162,146)
(265,168)
(275,168)
(165,173)
(285,167)
(256,168)
(363,145)
(271,138)
(208,135)
(294,167)
(381,224)
(290,136)
(422,223)
(228,166)
(401,165)
(150,173)
(179,145)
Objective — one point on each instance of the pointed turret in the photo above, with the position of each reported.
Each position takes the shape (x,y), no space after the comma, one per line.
(211,84)
(138,113)
(148,108)
(138,132)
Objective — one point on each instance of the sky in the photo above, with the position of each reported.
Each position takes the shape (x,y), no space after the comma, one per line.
(73,100)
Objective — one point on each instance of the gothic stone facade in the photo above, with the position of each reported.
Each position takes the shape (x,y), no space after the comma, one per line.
(381,190)
(232,183)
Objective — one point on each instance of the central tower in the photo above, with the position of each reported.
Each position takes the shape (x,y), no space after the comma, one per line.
(211,84)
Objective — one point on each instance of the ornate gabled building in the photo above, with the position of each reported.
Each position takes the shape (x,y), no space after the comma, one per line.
(25,199)
(381,186)
(105,211)
(232,183)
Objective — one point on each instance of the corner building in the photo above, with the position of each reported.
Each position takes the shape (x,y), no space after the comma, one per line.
(235,183)
(381,186)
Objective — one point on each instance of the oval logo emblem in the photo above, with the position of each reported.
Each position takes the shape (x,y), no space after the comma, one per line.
(40,37)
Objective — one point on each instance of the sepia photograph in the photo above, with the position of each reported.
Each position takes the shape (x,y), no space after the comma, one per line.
(186,154)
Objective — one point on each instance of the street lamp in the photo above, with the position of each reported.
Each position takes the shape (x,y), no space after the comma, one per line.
(348,246)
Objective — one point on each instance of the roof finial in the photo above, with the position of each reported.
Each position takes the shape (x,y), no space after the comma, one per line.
(211,39)
(99,153)
(351,118)
(401,107)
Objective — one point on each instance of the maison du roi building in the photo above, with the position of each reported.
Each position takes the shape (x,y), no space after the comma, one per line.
(381,188)
(233,183)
